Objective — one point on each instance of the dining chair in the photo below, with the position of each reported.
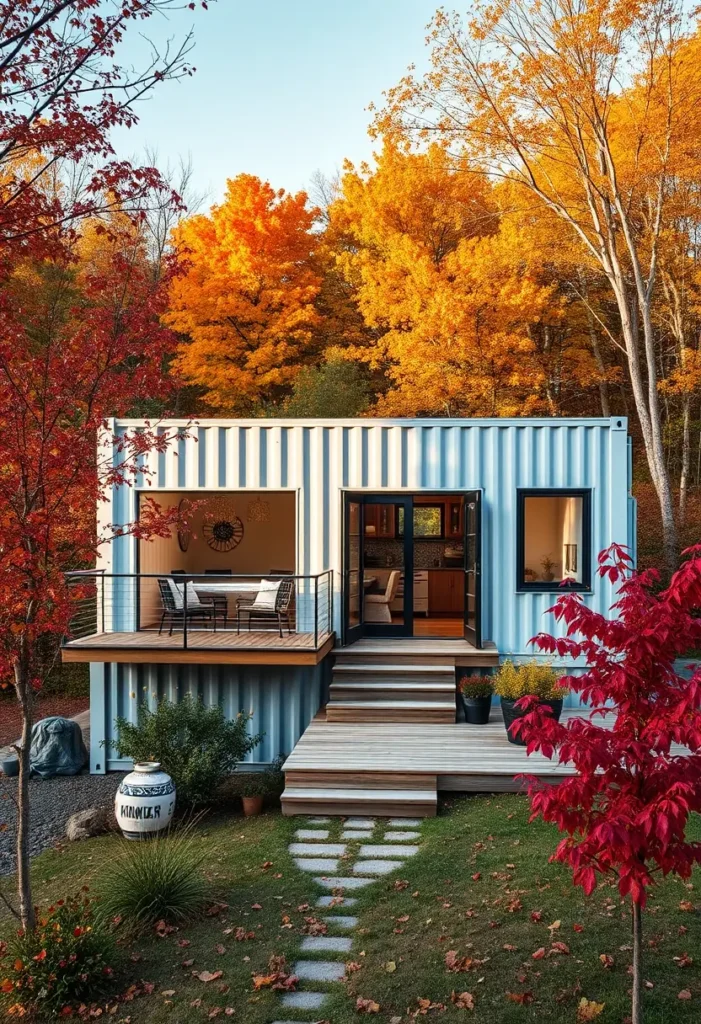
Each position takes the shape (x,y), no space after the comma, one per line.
(377,605)
(265,609)
(173,606)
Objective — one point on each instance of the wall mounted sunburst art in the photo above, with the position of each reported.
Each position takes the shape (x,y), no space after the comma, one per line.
(222,528)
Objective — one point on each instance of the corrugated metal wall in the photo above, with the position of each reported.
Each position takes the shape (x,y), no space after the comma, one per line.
(282,700)
(319,459)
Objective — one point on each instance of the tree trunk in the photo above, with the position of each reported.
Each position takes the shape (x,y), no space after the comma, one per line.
(686,459)
(636,1007)
(24,883)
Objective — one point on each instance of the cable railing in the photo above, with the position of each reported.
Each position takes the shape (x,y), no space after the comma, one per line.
(200,609)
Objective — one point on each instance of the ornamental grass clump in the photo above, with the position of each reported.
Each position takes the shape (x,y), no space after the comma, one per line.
(159,879)
(67,960)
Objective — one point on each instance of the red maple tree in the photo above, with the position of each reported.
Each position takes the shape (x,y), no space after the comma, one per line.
(80,338)
(638,768)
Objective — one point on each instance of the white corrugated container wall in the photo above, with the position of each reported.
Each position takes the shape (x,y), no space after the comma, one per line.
(318,460)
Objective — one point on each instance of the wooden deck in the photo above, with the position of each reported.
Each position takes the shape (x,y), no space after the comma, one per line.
(203,647)
(460,756)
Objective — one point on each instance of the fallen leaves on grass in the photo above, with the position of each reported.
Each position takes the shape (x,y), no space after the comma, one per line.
(559,947)
(312,926)
(684,960)
(588,1010)
(162,929)
(352,967)
(536,915)
(366,1005)
(241,935)
(522,998)
(463,1000)
(539,953)
(684,994)
(607,961)
(278,977)
(686,905)
(391,966)
(207,976)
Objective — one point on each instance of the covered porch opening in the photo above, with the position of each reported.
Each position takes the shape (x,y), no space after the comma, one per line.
(236,545)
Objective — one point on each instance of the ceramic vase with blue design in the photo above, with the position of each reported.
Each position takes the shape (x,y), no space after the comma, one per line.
(145,801)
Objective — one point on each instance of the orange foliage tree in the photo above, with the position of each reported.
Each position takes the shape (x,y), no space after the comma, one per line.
(246,298)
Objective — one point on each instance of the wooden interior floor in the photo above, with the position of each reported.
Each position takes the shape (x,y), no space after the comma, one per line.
(439,627)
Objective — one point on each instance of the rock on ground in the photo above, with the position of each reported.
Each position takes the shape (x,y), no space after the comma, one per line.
(92,822)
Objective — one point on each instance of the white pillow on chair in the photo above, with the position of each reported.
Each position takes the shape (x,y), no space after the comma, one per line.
(193,600)
(266,596)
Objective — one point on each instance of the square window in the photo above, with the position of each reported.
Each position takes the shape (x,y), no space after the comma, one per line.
(554,531)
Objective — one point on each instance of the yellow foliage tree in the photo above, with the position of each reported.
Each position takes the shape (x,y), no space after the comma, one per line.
(246,298)
(465,320)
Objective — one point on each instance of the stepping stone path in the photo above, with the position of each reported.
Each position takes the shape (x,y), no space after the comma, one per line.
(317,851)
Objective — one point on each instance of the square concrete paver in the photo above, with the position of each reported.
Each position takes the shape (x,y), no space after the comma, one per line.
(312,833)
(387,850)
(325,864)
(359,823)
(319,970)
(344,882)
(304,1000)
(327,901)
(403,822)
(357,833)
(318,821)
(376,867)
(398,837)
(344,922)
(326,944)
(317,849)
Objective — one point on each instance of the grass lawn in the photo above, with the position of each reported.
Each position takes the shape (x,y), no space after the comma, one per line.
(478,882)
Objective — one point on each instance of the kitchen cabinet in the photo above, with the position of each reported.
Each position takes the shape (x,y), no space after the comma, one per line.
(445,592)
(379,520)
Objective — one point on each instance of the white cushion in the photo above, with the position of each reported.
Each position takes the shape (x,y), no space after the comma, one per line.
(266,596)
(193,600)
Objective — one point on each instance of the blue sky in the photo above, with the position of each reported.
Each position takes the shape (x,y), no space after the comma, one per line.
(281,88)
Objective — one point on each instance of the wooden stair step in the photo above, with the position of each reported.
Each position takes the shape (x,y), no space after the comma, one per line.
(400,692)
(384,803)
(390,711)
(368,668)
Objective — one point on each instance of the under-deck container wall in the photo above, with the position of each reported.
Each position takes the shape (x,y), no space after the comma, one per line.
(319,459)
(283,700)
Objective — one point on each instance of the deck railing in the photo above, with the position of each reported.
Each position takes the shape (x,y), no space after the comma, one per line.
(202,608)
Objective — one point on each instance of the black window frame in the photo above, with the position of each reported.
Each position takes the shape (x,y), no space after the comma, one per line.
(440,505)
(554,587)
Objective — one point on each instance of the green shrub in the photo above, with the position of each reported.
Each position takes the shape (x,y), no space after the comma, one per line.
(514,681)
(194,743)
(476,686)
(154,880)
(68,959)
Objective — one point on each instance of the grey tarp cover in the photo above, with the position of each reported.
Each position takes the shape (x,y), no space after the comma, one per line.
(57,748)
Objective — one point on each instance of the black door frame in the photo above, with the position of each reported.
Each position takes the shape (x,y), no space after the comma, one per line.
(378,629)
(472,528)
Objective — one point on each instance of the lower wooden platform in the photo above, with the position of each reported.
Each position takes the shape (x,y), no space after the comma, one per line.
(387,766)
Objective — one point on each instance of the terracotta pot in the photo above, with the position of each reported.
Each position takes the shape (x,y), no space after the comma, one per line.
(511,713)
(145,801)
(252,805)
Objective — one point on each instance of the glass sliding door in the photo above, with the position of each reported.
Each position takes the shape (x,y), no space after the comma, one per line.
(378,560)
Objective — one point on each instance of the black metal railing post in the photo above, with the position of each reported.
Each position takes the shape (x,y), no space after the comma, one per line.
(316,612)
(184,612)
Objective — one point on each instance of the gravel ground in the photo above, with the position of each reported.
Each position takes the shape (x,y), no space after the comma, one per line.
(52,802)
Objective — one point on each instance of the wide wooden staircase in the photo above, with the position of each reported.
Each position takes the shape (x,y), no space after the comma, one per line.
(378,688)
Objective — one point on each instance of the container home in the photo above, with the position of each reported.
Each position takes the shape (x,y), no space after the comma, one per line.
(336,575)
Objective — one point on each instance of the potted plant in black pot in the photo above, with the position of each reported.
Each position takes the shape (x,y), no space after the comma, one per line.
(532,678)
(476,694)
